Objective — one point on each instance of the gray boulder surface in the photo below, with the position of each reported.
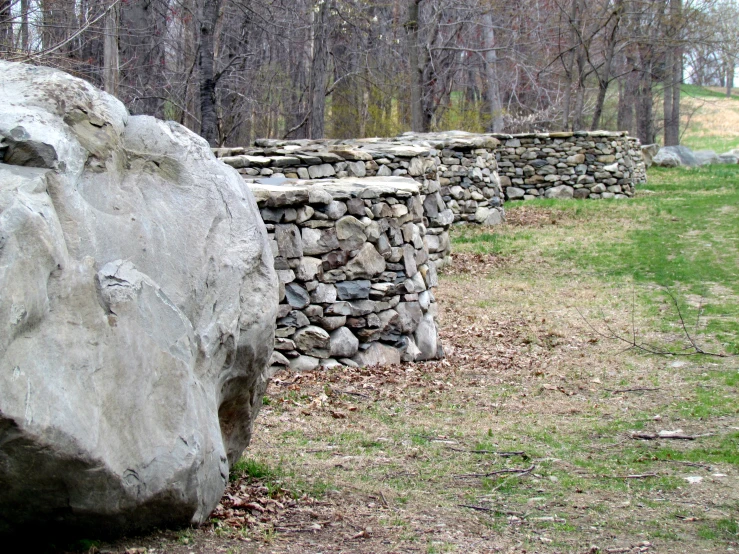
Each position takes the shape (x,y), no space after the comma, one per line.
(560,191)
(136,316)
(706,157)
(648,152)
(675,156)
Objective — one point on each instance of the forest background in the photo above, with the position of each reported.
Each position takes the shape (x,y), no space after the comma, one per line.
(236,70)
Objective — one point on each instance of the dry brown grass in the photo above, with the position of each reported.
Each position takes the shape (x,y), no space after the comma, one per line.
(712,122)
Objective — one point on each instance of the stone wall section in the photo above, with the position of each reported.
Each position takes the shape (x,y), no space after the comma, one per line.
(456,172)
(598,164)
(467,174)
(358,228)
(355,277)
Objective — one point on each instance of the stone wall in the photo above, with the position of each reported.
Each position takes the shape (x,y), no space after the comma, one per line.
(598,164)
(354,271)
(358,228)
(465,176)
(456,173)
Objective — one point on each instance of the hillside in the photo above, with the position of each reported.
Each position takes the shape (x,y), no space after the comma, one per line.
(712,119)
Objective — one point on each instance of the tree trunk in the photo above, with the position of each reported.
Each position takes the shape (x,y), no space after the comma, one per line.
(604,77)
(189,67)
(577,121)
(319,72)
(208,116)
(577,118)
(491,76)
(569,66)
(729,75)
(673,76)
(56,14)
(416,70)
(111,63)
(644,108)
(627,98)
(6,26)
(603,83)
(24,25)
(677,82)
(667,97)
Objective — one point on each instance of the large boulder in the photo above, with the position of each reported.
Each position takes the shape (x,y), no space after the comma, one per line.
(675,156)
(648,152)
(136,316)
(731,157)
(706,157)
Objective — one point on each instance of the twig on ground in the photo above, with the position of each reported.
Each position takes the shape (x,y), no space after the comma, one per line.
(396,475)
(517,471)
(443,440)
(502,454)
(293,527)
(691,464)
(639,389)
(633,476)
(478,508)
(692,350)
(363,534)
(606,446)
(484,509)
(670,436)
(354,394)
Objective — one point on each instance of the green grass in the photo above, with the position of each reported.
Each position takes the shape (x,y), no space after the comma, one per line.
(717,144)
(714,450)
(722,529)
(249,467)
(680,239)
(708,119)
(701,92)
(589,475)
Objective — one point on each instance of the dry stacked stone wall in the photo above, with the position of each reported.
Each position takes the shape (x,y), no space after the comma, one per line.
(456,173)
(467,174)
(598,164)
(358,228)
(355,277)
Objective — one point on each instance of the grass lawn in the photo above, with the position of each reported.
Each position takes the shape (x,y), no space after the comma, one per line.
(710,119)
(680,237)
(538,432)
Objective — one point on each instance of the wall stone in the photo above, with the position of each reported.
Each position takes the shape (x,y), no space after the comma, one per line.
(355,275)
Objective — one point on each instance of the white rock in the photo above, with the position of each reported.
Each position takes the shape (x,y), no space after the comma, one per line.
(561,192)
(427,337)
(304,363)
(321,171)
(366,264)
(343,343)
(377,354)
(136,314)
(312,341)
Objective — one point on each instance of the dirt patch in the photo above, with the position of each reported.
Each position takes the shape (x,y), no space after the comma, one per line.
(531,216)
